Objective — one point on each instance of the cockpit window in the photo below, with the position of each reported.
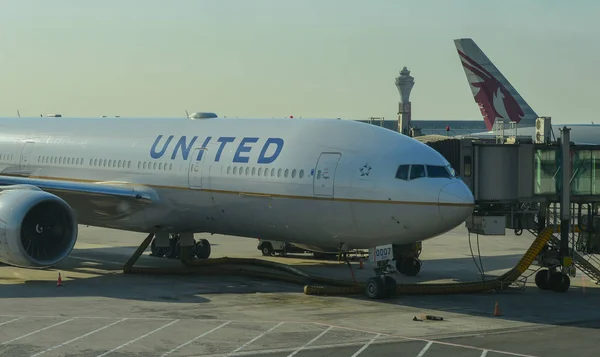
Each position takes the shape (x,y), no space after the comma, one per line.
(417,171)
(438,171)
(406,172)
(402,172)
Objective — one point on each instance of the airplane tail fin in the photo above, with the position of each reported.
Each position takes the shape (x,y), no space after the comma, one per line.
(496,97)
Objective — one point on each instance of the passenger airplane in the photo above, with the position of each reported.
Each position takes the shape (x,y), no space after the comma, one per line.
(309,181)
(498,99)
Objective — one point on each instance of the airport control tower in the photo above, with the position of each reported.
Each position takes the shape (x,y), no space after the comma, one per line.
(404,83)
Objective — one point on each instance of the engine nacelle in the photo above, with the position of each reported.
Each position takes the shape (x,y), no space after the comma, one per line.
(37,228)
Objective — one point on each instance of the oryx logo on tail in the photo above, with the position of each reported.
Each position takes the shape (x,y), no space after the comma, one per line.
(494,100)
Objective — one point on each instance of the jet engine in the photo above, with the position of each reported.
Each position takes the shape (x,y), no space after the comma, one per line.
(37,228)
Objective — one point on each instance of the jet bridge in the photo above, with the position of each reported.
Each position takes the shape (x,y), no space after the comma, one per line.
(519,183)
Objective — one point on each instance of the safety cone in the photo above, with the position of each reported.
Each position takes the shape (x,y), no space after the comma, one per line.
(360,263)
(59,282)
(497,310)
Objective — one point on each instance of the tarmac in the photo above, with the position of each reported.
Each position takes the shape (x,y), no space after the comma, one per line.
(102,312)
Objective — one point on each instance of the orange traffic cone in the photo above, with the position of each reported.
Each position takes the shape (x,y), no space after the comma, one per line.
(497,310)
(360,263)
(59,282)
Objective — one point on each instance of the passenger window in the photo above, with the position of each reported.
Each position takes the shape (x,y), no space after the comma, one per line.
(294,173)
(417,171)
(402,172)
(285,174)
(253,171)
(301,174)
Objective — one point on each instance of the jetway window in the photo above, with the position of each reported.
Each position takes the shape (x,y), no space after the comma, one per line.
(402,172)
(547,170)
(417,171)
(467,166)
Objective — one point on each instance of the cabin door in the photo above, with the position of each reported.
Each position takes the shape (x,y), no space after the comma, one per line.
(196,166)
(26,155)
(324,175)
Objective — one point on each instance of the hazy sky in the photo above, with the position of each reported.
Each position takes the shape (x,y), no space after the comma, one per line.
(321,58)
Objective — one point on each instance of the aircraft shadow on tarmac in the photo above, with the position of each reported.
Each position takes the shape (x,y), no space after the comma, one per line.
(98,272)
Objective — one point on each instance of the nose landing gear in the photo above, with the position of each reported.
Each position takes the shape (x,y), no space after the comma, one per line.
(390,259)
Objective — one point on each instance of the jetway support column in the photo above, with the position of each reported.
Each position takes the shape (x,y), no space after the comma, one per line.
(565,202)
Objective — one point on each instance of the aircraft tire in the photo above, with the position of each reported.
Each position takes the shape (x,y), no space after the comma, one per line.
(390,286)
(155,251)
(374,288)
(542,279)
(203,249)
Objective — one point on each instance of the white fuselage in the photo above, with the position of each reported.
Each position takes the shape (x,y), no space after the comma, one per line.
(300,180)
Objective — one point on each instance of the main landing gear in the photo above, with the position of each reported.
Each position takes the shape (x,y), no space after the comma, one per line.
(201,249)
(391,259)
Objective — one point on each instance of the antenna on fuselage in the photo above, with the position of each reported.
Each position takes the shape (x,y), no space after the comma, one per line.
(187,115)
(18,114)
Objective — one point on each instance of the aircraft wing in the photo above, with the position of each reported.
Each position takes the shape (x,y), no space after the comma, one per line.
(102,200)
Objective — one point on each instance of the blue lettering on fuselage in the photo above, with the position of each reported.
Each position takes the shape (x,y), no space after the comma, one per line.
(185,149)
(158,155)
(242,152)
(243,148)
(267,160)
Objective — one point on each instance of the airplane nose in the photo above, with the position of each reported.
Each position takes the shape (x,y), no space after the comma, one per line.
(455,202)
